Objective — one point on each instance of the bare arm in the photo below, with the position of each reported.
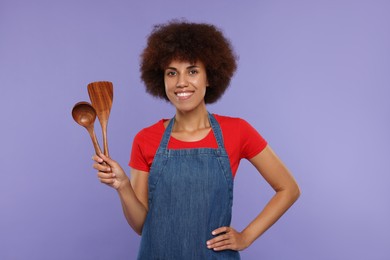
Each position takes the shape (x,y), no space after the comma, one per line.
(287,192)
(133,194)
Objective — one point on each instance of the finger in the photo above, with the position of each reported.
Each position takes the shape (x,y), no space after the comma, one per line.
(107,159)
(102,167)
(216,241)
(223,247)
(223,242)
(220,234)
(220,230)
(106,175)
(97,159)
(107,181)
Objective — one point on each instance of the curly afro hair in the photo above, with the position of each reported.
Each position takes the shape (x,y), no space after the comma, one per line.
(191,42)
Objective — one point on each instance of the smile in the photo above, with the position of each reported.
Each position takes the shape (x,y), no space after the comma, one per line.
(184,95)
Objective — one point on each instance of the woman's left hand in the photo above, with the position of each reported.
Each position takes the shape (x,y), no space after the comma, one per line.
(227,238)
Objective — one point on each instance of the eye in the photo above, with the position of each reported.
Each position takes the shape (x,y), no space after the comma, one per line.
(193,72)
(171,73)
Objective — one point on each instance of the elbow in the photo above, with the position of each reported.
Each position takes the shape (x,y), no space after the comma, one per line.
(291,192)
(138,230)
(295,192)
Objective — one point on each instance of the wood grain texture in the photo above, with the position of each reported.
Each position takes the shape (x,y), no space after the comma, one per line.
(85,115)
(101,95)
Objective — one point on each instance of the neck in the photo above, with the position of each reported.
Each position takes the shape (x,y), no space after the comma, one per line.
(192,120)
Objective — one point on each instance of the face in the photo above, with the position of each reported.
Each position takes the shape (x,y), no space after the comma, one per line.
(185,84)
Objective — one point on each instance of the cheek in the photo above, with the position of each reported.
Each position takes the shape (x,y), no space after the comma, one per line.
(199,82)
(168,84)
(169,90)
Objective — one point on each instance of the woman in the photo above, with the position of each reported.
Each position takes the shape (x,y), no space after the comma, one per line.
(181,189)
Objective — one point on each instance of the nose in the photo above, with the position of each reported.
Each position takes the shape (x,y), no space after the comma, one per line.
(181,81)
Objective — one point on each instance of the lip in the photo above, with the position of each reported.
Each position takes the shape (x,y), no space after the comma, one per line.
(184,95)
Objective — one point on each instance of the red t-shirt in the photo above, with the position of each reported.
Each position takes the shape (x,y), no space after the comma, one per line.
(241,140)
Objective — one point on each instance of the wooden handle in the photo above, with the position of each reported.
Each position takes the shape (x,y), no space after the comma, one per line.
(94,140)
(105,142)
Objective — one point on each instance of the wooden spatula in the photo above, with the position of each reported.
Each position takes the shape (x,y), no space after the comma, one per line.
(101,95)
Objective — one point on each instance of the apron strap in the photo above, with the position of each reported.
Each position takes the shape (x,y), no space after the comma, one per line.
(167,134)
(217,131)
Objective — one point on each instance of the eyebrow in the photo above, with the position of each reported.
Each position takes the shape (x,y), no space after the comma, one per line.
(189,67)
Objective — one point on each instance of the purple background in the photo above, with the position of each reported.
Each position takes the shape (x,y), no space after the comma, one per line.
(313,78)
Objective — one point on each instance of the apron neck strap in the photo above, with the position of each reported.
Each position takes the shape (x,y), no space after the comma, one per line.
(214,126)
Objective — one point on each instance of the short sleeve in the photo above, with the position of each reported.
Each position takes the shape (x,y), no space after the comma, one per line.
(252,143)
(145,145)
(137,159)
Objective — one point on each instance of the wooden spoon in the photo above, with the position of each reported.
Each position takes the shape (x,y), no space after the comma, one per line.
(84,114)
(101,95)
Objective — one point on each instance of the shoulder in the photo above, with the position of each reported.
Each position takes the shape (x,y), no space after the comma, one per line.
(239,129)
(231,122)
(155,128)
(150,135)
(225,119)
(145,144)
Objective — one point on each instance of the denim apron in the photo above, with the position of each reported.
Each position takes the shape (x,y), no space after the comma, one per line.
(190,195)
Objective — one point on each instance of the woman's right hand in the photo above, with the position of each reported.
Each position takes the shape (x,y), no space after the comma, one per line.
(110,173)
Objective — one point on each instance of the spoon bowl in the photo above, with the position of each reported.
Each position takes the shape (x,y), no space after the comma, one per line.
(85,115)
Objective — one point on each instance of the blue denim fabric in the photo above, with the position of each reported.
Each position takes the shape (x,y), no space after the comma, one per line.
(190,195)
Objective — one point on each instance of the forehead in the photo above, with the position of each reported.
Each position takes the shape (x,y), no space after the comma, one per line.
(175,63)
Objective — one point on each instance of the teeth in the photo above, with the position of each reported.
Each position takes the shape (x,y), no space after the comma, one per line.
(183,94)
